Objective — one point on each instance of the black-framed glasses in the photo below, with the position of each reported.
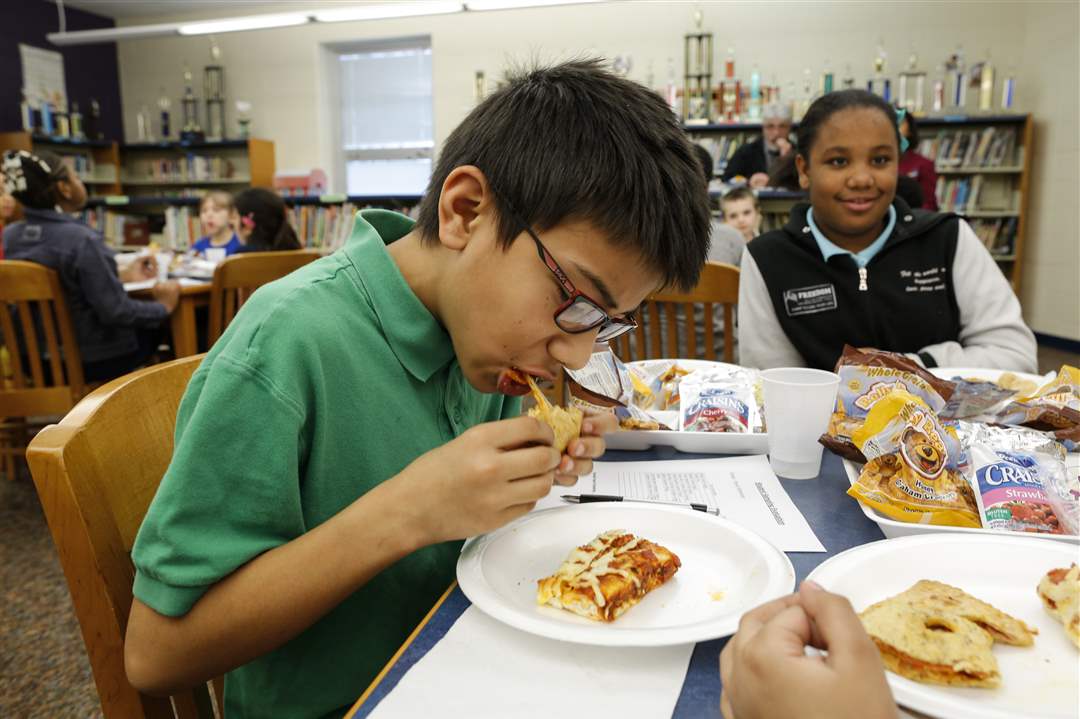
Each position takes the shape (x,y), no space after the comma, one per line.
(580,313)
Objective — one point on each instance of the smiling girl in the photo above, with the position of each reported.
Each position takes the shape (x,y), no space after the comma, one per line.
(858,266)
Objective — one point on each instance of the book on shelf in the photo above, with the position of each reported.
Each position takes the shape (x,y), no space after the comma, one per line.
(972,148)
(323,226)
(998,234)
(190,167)
(721,147)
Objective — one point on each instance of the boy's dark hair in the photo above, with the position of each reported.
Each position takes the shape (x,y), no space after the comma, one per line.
(742,192)
(267,211)
(828,105)
(574,141)
(706,161)
(31,177)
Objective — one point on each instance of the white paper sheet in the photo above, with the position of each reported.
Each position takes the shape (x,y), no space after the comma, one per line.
(745,490)
(483,668)
(147,284)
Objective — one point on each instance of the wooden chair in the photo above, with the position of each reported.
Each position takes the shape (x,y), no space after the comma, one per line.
(96,472)
(240,275)
(31,295)
(657,337)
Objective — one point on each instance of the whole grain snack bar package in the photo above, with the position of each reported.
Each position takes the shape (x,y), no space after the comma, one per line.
(866,376)
(911,473)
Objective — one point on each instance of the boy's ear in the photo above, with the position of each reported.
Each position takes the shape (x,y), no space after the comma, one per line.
(63,188)
(465,198)
(800,165)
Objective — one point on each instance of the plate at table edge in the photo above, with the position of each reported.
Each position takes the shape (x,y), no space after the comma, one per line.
(562,625)
(941,701)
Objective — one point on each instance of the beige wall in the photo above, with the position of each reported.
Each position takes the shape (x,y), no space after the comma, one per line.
(281,73)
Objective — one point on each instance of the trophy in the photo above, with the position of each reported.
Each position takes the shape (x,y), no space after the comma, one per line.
(698,60)
(878,84)
(214,94)
(243,118)
(828,79)
(164,103)
(954,68)
(912,87)
(189,105)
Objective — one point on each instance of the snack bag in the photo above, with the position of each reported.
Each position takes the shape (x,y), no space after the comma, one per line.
(911,472)
(976,399)
(605,384)
(1062,391)
(717,407)
(866,376)
(1021,480)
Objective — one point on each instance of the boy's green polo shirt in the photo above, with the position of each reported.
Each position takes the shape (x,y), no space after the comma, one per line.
(328,382)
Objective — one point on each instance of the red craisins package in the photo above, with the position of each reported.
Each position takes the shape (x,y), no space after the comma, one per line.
(1021,482)
(714,407)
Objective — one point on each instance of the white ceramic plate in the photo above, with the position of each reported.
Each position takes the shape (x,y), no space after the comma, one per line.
(700,442)
(990,375)
(892,528)
(726,570)
(1041,681)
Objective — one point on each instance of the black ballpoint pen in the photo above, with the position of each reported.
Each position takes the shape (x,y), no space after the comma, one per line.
(587,498)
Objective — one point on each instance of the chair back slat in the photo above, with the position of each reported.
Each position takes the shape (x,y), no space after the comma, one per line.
(29,333)
(11,341)
(236,278)
(52,344)
(95,473)
(664,333)
(32,293)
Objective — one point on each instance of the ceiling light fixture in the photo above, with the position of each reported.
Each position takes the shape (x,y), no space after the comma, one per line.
(514,4)
(383,11)
(237,24)
(378,11)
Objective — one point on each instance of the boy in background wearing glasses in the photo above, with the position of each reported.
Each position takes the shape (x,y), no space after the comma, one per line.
(370,391)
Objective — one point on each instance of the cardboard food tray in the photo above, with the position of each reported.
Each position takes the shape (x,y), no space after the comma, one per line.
(696,442)
(891,528)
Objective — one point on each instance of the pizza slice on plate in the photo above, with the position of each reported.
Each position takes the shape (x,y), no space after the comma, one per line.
(602,579)
(1059,591)
(939,634)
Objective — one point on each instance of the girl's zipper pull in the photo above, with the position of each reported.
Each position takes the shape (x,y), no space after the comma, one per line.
(862,279)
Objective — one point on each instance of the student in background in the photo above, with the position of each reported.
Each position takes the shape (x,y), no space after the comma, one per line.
(742,212)
(263,222)
(116,334)
(916,166)
(754,161)
(858,266)
(351,427)
(217,215)
(725,243)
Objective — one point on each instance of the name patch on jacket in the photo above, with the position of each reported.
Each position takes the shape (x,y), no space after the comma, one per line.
(809,300)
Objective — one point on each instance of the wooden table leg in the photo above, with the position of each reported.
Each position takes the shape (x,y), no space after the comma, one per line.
(185,340)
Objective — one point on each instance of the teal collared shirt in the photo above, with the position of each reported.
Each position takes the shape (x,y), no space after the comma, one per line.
(863,257)
(328,382)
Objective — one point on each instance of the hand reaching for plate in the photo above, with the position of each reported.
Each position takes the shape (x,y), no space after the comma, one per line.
(766,672)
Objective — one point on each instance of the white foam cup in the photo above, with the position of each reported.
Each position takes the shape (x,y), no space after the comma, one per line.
(798,403)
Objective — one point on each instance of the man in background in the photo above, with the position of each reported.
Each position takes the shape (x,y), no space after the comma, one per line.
(754,161)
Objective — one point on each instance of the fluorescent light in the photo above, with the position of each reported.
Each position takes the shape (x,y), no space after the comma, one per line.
(250,22)
(110,34)
(512,4)
(382,11)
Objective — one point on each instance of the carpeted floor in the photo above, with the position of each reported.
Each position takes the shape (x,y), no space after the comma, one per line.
(44,671)
(43,667)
